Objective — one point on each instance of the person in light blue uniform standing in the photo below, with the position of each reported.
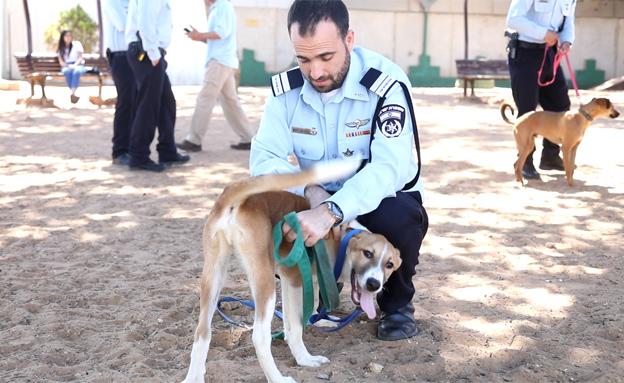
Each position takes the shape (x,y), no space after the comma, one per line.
(219,80)
(148,34)
(345,101)
(542,26)
(115,16)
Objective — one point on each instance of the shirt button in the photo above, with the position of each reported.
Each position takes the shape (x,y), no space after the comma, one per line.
(331,126)
(302,151)
(363,151)
(337,183)
(334,156)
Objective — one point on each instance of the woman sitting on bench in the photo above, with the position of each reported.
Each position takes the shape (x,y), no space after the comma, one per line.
(72,65)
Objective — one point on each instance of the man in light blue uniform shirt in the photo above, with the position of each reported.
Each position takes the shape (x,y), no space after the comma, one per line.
(115,17)
(148,34)
(540,24)
(219,80)
(327,109)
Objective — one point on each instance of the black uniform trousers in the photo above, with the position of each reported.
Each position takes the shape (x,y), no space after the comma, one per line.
(404,222)
(155,107)
(125,83)
(527,93)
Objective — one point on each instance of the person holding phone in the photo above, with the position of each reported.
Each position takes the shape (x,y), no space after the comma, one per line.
(219,79)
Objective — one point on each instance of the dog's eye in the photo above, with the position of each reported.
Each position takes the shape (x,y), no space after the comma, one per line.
(389,265)
(367,254)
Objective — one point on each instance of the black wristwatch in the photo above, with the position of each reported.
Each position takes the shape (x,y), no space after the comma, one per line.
(335,211)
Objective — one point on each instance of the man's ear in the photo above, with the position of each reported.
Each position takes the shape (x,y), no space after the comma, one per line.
(350,39)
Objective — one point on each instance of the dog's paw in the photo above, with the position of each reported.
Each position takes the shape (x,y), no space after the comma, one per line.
(325,323)
(312,361)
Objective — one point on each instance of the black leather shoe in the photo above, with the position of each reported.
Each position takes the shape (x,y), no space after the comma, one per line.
(188,146)
(150,166)
(122,159)
(397,325)
(178,160)
(529,172)
(241,146)
(552,163)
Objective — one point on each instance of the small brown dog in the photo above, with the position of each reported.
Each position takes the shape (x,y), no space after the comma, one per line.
(564,128)
(241,222)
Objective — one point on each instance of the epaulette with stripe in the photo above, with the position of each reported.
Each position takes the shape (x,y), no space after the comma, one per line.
(285,81)
(377,82)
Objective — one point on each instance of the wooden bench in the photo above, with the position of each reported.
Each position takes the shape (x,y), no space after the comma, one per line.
(36,68)
(471,70)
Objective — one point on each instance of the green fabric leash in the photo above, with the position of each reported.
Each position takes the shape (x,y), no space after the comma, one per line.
(327,282)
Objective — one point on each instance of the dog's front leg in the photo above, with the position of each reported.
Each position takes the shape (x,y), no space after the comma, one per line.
(293,326)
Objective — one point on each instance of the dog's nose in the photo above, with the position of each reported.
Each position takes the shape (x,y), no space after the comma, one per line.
(372,284)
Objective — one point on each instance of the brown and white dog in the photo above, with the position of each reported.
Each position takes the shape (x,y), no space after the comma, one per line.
(564,128)
(241,222)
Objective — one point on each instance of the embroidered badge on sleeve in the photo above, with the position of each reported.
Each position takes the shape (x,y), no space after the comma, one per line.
(391,120)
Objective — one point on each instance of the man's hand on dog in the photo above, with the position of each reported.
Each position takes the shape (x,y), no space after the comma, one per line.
(315,224)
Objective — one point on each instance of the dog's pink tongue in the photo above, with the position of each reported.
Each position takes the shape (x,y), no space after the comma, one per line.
(367,304)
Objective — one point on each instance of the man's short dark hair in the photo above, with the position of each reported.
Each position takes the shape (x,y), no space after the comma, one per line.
(308,13)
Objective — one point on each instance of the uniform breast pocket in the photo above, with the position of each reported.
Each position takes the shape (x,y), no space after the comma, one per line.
(354,146)
(542,6)
(308,145)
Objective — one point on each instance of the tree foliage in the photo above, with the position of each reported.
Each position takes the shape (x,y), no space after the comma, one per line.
(83,29)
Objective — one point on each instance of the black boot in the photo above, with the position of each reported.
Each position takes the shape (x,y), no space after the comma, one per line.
(528,170)
(397,325)
(550,157)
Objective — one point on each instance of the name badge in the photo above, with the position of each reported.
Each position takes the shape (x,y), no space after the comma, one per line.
(308,131)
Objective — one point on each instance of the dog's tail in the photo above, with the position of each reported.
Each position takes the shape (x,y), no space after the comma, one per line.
(330,171)
(504,106)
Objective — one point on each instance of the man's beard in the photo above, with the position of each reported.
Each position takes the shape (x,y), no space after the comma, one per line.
(335,81)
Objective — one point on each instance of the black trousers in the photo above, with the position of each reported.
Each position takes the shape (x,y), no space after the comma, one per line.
(527,93)
(155,108)
(404,222)
(125,83)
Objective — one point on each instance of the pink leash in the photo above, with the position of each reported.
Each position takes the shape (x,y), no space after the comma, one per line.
(558,58)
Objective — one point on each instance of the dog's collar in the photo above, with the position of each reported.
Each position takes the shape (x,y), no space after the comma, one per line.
(585,114)
(342,252)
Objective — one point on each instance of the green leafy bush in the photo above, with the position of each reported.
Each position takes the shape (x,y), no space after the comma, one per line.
(83,29)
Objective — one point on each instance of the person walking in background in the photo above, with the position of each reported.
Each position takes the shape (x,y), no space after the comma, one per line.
(69,54)
(219,79)
(148,34)
(116,15)
(543,27)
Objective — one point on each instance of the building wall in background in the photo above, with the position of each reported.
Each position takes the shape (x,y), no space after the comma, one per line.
(395,28)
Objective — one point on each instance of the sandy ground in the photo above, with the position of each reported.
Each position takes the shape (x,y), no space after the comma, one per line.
(99,266)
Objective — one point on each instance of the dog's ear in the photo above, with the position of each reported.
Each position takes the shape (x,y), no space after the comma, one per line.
(607,103)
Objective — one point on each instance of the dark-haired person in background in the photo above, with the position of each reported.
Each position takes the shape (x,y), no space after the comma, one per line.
(69,53)
(327,109)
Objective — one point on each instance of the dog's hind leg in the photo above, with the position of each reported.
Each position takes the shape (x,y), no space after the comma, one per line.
(293,326)
(260,268)
(525,146)
(217,255)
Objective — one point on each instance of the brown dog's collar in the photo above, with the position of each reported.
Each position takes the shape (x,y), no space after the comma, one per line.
(585,114)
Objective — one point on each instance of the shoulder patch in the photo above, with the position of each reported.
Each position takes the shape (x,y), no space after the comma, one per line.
(285,81)
(377,82)
(391,120)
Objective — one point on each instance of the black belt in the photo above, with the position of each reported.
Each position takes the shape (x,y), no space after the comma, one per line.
(118,53)
(162,51)
(528,45)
